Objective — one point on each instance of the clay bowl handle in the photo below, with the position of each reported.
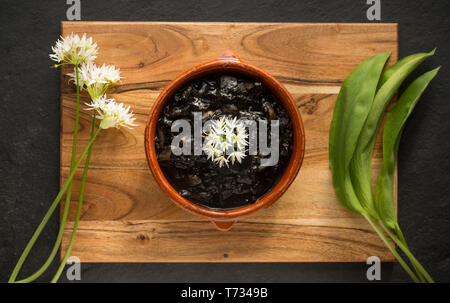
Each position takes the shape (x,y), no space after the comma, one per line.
(229,55)
(223,225)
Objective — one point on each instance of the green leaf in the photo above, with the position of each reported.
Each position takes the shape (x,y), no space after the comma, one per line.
(392,132)
(360,166)
(392,69)
(352,107)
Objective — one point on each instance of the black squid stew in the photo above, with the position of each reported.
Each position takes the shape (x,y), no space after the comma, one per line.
(199,179)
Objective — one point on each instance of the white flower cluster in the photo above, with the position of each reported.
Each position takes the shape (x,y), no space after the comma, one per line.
(225,141)
(74,50)
(112,114)
(81,52)
(96,79)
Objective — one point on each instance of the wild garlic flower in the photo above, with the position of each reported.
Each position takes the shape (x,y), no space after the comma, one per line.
(99,103)
(74,50)
(116,115)
(226,141)
(111,113)
(96,79)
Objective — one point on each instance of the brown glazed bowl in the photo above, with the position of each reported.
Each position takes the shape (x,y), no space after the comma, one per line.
(227,62)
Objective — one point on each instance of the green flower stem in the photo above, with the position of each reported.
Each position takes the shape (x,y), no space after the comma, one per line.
(47,263)
(50,211)
(80,204)
(408,253)
(52,255)
(66,204)
(392,249)
(72,162)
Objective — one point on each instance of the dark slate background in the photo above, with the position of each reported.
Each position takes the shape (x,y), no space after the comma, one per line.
(29,134)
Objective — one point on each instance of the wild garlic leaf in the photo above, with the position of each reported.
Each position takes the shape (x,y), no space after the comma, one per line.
(360,166)
(352,107)
(392,132)
(392,69)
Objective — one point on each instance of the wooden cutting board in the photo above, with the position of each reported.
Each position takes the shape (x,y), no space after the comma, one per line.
(127,218)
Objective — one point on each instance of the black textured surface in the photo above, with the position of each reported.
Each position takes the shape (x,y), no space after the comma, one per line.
(29,134)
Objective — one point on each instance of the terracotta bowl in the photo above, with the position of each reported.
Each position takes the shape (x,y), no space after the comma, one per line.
(227,62)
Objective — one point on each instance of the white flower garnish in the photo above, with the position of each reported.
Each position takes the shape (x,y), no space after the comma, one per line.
(96,79)
(74,50)
(236,155)
(226,140)
(111,113)
(221,160)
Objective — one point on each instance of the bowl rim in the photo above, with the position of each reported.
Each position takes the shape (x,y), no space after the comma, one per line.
(236,66)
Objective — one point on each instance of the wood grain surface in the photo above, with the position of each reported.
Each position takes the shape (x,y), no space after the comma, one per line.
(127,218)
